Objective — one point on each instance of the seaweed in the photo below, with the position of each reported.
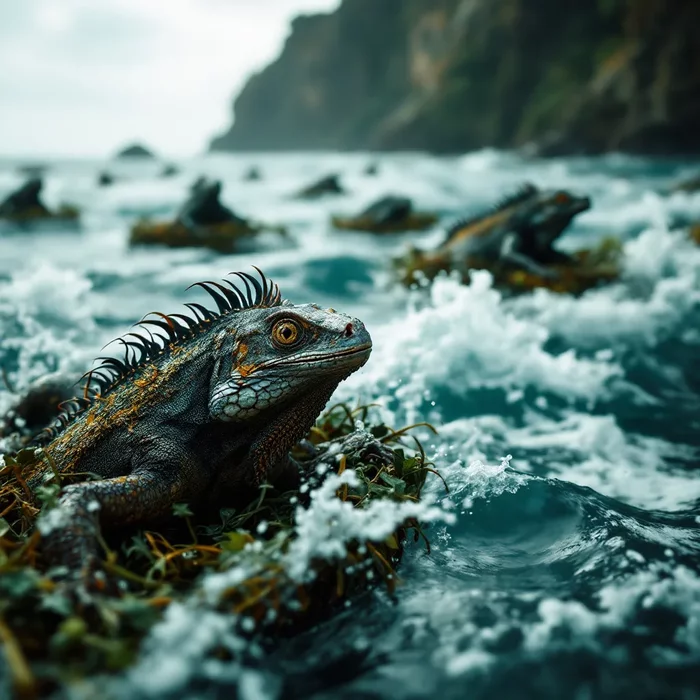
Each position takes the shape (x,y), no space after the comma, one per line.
(587,268)
(225,237)
(53,637)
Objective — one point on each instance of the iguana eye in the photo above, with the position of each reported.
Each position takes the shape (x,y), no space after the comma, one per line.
(286,333)
(562,198)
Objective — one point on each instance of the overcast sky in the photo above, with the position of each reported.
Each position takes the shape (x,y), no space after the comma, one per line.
(83,77)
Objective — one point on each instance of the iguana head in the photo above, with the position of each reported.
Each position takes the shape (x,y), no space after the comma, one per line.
(271,356)
(549,212)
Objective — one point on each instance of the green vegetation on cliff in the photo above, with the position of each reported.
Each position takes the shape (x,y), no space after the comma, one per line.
(451,75)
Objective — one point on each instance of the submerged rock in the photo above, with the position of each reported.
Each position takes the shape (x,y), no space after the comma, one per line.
(105,179)
(253,174)
(330,184)
(169,170)
(689,185)
(371,169)
(24,206)
(136,150)
(389,214)
(202,222)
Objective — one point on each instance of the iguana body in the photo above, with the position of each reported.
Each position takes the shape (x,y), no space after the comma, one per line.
(216,408)
(520,231)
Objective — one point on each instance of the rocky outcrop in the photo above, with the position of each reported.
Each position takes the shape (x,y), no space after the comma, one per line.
(453,75)
(135,150)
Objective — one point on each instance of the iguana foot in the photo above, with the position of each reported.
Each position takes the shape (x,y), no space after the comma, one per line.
(362,446)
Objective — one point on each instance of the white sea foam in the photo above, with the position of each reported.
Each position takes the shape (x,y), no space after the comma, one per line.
(466,338)
(324,529)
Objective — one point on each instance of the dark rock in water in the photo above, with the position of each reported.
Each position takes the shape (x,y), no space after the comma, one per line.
(253,174)
(388,209)
(390,214)
(453,75)
(105,179)
(371,169)
(689,185)
(203,222)
(135,151)
(23,207)
(37,406)
(203,206)
(25,201)
(32,170)
(169,170)
(199,183)
(330,184)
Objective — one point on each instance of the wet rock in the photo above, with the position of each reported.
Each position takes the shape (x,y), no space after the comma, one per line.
(253,174)
(459,75)
(389,214)
(202,222)
(105,179)
(24,206)
(688,185)
(328,185)
(169,170)
(135,150)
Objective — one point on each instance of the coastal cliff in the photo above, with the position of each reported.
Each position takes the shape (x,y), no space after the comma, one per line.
(452,75)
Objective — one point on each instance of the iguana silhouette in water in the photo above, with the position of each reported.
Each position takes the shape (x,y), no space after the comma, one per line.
(209,404)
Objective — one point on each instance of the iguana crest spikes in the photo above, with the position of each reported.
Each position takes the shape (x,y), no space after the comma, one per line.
(177,329)
(522,194)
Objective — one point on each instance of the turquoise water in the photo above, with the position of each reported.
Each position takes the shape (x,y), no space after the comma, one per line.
(569,429)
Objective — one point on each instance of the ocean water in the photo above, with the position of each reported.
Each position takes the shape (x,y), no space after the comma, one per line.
(565,559)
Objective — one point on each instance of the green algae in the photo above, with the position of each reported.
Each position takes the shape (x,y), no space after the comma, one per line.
(53,637)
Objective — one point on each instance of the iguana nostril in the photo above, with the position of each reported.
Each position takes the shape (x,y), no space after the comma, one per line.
(348,330)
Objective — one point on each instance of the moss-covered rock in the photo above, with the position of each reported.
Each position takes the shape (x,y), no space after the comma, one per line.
(65,214)
(589,268)
(223,238)
(415,221)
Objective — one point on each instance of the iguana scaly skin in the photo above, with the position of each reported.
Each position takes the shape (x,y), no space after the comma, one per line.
(212,407)
(519,231)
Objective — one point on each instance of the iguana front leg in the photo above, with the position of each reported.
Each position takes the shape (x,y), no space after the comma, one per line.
(509,253)
(70,531)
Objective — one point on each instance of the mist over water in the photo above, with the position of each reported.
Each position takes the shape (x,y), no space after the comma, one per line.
(568,428)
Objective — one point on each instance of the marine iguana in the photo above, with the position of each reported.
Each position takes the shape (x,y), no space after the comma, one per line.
(209,404)
(24,200)
(520,230)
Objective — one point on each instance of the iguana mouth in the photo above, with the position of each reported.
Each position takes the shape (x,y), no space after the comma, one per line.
(322,357)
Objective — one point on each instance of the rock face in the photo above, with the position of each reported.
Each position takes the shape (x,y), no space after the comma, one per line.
(453,75)
(135,150)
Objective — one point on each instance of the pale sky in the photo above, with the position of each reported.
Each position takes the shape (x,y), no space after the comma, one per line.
(85,77)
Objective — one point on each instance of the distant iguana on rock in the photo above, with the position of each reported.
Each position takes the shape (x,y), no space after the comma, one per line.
(209,404)
(519,231)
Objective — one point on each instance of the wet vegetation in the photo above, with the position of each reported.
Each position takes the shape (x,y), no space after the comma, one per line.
(55,635)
